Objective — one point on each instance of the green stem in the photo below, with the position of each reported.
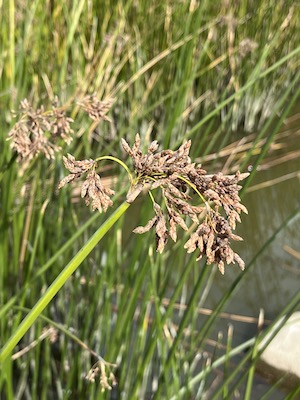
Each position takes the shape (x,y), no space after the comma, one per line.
(117,160)
(60,281)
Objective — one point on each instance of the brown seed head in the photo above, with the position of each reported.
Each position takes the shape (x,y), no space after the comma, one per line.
(96,108)
(177,178)
(175,174)
(37,131)
(92,190)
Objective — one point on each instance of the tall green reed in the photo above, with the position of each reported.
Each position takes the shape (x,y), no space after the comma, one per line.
(114,52)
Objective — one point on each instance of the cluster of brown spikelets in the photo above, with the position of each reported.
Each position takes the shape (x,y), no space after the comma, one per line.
(39,130)
(92,188)
(96,109)
(176,177)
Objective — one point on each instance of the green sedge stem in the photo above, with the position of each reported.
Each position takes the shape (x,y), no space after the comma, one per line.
(119,162)
(60,281)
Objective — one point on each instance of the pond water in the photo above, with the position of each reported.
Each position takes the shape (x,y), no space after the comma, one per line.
(275,276)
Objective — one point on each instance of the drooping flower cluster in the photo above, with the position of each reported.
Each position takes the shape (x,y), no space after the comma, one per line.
(175,174)
(41,131)
(177,178)
(212,238)
(92,189)
(37,131)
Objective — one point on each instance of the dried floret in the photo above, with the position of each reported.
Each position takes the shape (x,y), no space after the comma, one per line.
(67,179)
(106,379)
(143,229)
(174,220)
(212,238)
(77,167)
(161,230)
(92,190)
(155,163)
(95,193)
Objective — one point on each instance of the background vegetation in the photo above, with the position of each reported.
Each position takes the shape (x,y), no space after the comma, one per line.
(226,75)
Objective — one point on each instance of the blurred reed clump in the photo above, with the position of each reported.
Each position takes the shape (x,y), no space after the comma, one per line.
(224,75)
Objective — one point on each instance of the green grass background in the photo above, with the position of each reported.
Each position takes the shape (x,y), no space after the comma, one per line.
(177,70)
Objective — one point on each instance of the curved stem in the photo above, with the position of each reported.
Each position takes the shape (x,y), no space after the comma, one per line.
(60,281)
(64,330)
(117,160)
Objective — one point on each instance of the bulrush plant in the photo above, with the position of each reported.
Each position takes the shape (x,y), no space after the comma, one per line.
(38,131)
(176,176)
(183,195)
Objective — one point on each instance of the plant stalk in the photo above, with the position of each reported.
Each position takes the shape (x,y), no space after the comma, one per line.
(60,281)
